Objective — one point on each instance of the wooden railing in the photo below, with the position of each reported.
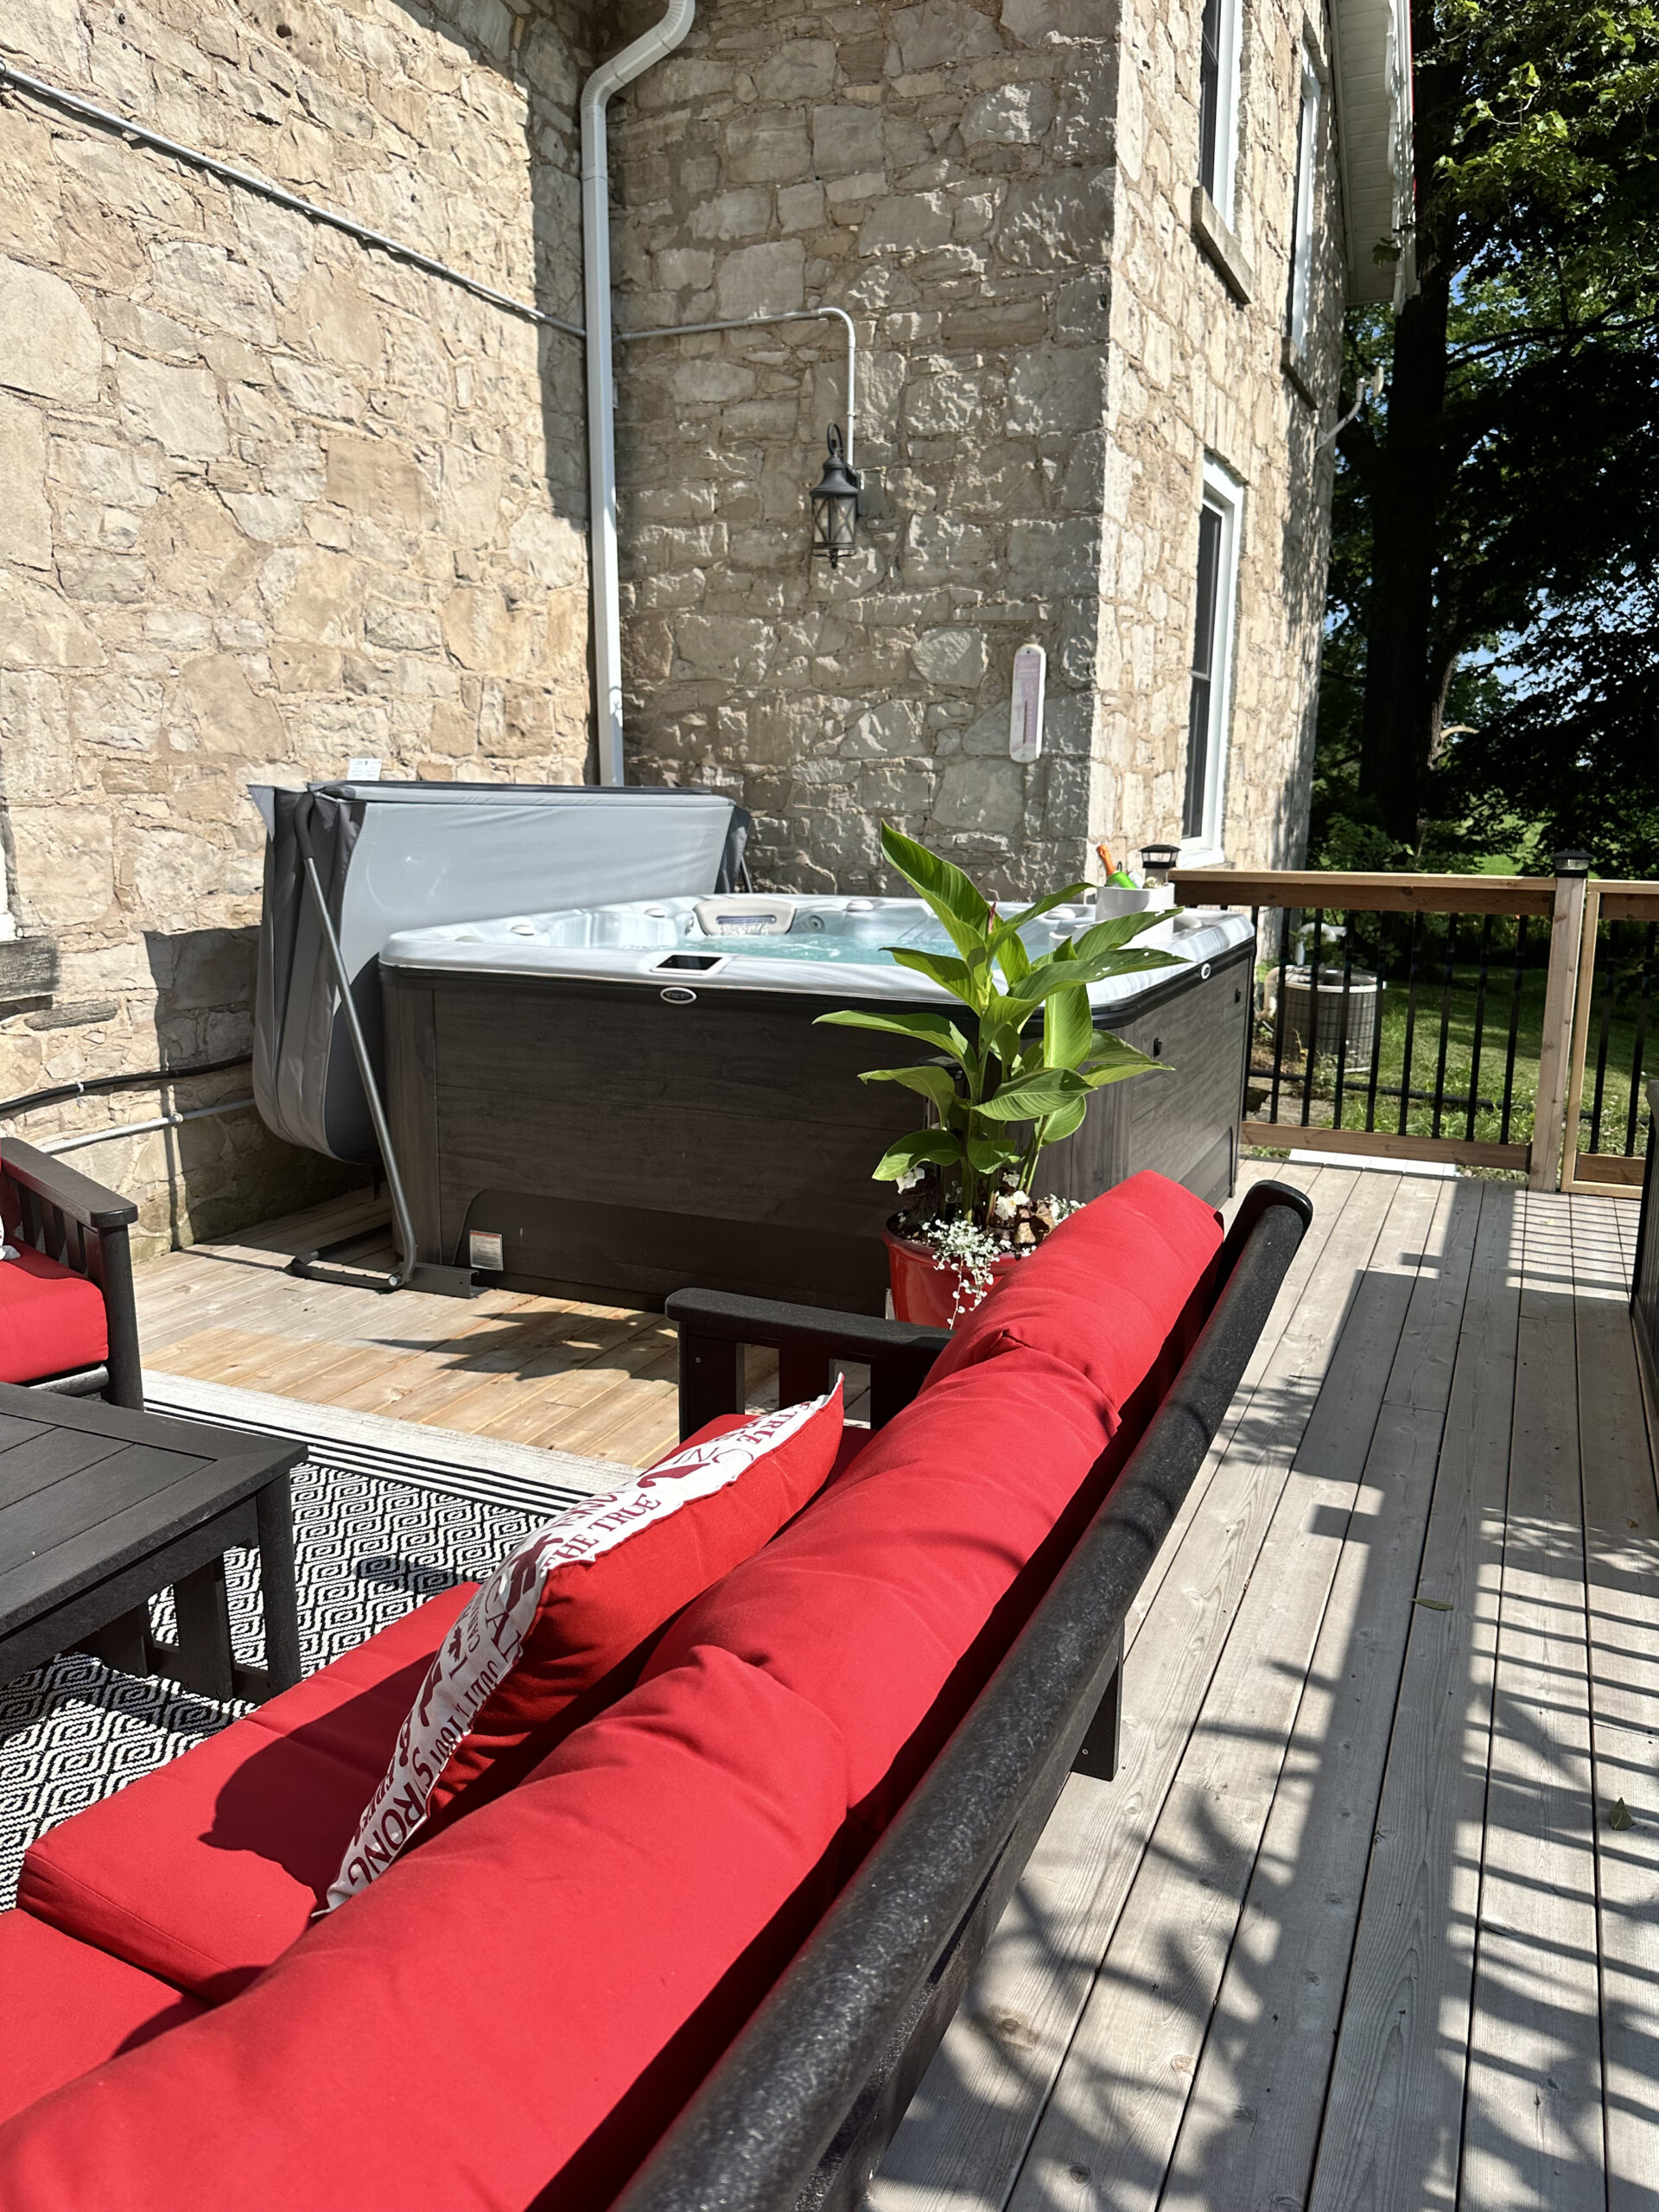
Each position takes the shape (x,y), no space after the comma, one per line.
(1448,1017)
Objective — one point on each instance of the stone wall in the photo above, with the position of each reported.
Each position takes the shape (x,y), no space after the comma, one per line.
(999,191)
(268,501)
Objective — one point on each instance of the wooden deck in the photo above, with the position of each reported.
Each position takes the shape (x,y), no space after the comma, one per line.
(1361,1926)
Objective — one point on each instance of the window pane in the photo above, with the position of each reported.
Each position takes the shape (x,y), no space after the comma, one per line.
(1209,94)
(1301,248)
(1204,658)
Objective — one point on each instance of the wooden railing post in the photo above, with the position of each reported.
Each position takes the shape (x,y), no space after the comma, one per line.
(1555,1045)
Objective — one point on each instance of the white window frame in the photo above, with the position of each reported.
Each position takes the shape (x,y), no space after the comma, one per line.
(1229,41)
(1304,208)
(1202,845)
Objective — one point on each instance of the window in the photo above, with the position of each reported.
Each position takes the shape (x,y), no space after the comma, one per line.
(1301,220)
(1210,708)
(1219,102)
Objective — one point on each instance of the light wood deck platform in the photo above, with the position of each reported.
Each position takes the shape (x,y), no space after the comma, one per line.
(1359,1927)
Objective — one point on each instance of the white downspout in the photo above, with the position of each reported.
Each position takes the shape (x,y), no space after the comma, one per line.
(607,80)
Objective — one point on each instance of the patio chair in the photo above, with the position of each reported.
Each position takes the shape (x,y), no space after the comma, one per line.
(67,1320)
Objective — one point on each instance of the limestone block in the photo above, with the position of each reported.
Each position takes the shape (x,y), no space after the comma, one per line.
(485,633)
(763,153)
(955,658)
(318,392)
(228,715)
(731,215)
(176,407)
(39,757)
(940,546)
(204,285)
(943,405)
(894,728)
(304,668)
(330,315)
(28,188)
(66,863)
(1053,22)
(1011,115)
(734,647)
(372,477)
(42,630)
(1055,222)
(550,548)
(765,279)
(51,341)
(846,140)
(941,32)
(401,629)
(800,207)
(909,224)
(1057,390)
(800,69)
(25,517)
(979,793)
(685,265)
(317,597)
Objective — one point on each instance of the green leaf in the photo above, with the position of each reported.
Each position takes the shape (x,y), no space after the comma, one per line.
(1068,1029)
(920,1149)
(1063,1123)
(1432,1605)
(1619,1815)
(990,1153)
(936,1029)
(941,967)
(1112,1059)
(1012,956)
(1032,1096)
(1110,935)
(934,1084)
(959,907)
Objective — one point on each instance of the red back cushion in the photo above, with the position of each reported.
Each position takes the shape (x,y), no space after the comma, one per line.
(540,1647)
(1103,1290)
(51,1320)
(523,2003)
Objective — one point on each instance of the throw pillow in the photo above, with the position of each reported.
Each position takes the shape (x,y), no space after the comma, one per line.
(530,1657)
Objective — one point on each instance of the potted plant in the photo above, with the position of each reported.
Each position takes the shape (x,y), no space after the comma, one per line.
(1001,1089)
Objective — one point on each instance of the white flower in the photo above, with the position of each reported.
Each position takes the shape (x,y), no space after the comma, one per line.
(1005,1208)
(910,1179)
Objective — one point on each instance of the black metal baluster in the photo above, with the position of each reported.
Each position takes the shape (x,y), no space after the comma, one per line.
(1314,1017)
(1279,1012)
(1514,1029)
(1483,956)
(1605,1035)
(1644,1001)
(1411,1019)
(1445,1020)
(1342,1014)
(1376,1027)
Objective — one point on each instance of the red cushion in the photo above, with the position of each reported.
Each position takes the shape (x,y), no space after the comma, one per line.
(208,1869)
(68,2007)
(1102,1290)
(51,1319)
(555,1635)
(526,2000)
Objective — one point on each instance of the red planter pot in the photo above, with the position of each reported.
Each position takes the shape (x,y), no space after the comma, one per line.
(925,1290)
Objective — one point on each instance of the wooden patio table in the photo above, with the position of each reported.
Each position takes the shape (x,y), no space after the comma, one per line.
(101,1507)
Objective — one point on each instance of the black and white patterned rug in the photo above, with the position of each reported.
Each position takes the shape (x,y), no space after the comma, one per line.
(368,1546)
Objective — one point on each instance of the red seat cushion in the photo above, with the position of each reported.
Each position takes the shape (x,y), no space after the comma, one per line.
(51,1319)
(205,1871)
(556,1633)
(69,2007)
(1102,1290)
(522,2004)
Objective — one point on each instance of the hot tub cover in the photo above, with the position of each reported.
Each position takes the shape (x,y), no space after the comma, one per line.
(395,856)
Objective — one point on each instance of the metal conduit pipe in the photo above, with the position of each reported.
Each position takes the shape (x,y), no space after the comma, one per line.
(603,588)
(55,1145)
(759,322)
(250,180)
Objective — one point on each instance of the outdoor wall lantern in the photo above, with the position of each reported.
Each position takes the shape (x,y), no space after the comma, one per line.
(834,505)
(1156,862)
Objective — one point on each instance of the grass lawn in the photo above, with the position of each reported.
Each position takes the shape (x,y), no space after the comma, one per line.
(1460,1010)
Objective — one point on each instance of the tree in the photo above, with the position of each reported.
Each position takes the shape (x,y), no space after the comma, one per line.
(1513,469)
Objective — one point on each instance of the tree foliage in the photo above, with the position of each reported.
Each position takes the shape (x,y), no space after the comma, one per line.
(1510,477)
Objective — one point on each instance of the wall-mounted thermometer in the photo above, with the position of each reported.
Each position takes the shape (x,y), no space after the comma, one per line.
(1026,712)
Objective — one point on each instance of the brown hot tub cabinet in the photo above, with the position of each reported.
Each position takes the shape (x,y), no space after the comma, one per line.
(627,1134)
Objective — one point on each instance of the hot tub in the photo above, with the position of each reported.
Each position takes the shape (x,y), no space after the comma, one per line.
(623,1100)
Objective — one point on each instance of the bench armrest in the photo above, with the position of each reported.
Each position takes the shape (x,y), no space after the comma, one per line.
(65,1187)
(716,1327)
